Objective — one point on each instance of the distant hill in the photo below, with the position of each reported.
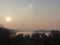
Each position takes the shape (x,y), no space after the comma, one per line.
(15,31)
(44,31)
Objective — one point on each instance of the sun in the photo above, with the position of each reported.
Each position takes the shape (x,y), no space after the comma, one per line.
(8,19)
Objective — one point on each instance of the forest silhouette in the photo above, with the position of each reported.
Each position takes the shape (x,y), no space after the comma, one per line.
(35,39)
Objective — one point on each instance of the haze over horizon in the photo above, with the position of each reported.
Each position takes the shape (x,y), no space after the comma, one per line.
(30,14)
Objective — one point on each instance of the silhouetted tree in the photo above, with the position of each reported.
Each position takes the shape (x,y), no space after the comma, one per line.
(36,38)
(27,40)
(4,36)
(19,40)
(53,38)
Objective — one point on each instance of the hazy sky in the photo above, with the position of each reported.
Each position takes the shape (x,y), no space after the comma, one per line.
(30,14)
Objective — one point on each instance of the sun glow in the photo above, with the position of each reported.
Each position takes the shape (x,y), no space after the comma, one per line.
(8,19)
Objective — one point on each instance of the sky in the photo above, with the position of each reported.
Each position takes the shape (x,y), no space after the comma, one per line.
(30,14)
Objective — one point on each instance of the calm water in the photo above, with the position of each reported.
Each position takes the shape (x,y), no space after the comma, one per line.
(47,33)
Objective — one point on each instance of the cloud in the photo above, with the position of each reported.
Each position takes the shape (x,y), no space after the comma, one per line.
(30,6)
(29,9)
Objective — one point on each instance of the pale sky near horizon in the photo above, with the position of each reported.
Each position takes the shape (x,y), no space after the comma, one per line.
(30,14)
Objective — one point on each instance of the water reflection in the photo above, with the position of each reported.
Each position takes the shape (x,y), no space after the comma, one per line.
(30,33)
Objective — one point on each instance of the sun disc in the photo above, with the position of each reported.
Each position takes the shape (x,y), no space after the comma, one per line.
(8,19)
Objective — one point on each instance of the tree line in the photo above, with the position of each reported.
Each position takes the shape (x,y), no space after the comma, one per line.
(35,39)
